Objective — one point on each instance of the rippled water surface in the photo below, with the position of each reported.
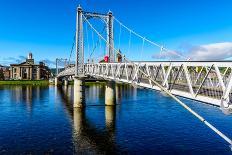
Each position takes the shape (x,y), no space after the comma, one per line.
(38,120)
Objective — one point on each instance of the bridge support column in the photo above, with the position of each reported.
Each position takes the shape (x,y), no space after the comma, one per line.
(110,95)
(56,81)
(79,92)
(66,82)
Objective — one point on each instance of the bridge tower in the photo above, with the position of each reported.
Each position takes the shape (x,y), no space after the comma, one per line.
(110,95)
(110,37)
(79,80)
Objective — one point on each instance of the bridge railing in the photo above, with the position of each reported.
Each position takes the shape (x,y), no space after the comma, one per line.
(208,82)
(204,81)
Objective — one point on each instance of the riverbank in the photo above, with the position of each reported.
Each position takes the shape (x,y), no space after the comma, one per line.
(41,82)
(46,82)
(24,82)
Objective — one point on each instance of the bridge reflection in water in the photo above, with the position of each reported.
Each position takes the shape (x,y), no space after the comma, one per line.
(34,120)
(87,138)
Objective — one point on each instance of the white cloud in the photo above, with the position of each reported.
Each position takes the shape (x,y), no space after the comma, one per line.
(215,51)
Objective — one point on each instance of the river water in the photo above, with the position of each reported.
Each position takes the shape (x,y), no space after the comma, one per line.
(41,120)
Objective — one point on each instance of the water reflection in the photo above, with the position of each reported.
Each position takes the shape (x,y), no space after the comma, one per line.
(27,94)
(141,129)
(87,138)
(94,93)
(110,114)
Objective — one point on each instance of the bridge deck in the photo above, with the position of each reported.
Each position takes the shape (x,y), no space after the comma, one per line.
(202,81)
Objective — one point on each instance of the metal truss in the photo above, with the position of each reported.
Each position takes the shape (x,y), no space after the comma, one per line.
(208,82)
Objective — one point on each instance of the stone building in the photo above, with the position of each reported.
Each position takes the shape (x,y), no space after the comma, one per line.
(4,72)
(28,70)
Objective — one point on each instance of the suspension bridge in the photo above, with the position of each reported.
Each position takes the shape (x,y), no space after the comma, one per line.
(102,58)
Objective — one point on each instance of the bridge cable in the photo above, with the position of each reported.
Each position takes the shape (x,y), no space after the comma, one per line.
(93,40)
(87,36)
(98,41)
(161,51)
(203,120)
(142,48)
(119,38)
(129,44)
(73,44)
(149,41)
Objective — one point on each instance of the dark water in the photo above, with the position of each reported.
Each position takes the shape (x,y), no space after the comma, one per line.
(39,120)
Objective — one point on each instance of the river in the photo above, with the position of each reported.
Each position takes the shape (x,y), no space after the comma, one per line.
(41,120)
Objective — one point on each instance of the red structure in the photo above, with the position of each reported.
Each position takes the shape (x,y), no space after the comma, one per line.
(106,58)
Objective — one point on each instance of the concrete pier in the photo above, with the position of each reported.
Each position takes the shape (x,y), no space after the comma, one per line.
(79,92)
(56,81)
(110,95)
(65,82)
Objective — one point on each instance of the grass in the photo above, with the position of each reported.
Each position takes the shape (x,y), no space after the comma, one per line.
(24,82)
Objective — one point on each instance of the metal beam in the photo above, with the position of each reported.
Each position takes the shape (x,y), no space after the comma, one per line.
(79,44)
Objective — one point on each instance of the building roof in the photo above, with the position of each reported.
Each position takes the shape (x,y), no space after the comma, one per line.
(24,64)
(28,63)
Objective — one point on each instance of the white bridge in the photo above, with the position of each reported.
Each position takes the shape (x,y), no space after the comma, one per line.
(205,81)
(209,82)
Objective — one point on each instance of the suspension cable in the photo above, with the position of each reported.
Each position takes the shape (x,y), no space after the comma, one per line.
(87,36)
(169,93)
(73,44)
(129,44)
(95,46)
(161,50)
(92,40)
(142,48)
(149,41)
(119,38)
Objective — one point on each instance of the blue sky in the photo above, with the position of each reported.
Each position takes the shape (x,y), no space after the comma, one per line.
(46,27)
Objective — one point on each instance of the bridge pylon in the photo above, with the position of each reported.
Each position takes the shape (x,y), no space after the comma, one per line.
(56,81)
(79,92)
(79,79)
(66,82)
(110,95)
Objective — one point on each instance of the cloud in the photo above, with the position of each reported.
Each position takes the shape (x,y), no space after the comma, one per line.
(11,60)
(52,63)
(49,62)
(215,51)
(167,55)
(22,57)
